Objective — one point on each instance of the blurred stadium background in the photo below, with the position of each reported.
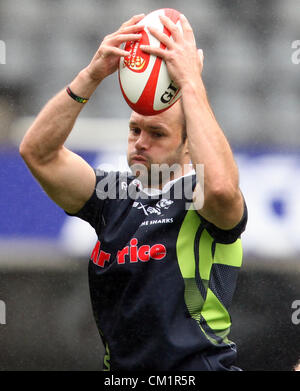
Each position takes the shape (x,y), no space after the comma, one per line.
(254,88)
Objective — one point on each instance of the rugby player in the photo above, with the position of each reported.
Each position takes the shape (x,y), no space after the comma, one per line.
(164,268)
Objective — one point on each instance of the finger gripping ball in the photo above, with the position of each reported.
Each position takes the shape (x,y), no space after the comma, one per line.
(144,79)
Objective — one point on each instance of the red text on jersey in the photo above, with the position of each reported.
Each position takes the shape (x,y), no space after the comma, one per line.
(131,253)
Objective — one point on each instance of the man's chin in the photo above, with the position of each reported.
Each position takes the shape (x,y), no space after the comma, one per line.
(139,164)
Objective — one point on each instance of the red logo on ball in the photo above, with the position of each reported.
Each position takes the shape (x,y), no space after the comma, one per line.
(137,61)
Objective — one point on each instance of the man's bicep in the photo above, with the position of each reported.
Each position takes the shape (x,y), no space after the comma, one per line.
(68,180)
(224,215)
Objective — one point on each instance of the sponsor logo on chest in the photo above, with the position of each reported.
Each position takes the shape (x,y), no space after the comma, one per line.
(130,254)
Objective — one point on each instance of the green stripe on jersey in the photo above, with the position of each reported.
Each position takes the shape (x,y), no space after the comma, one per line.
(205,255)
(193,298)
(106,359)
(215,314)
(185,244)
(208,308)
(229,254)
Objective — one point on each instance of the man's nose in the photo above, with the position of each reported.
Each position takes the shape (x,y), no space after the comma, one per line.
(143,141)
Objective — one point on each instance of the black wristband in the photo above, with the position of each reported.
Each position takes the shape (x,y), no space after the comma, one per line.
(75,97)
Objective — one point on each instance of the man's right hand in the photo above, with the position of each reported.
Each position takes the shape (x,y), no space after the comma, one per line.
(106,59)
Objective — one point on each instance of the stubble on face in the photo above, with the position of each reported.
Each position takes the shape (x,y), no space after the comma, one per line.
(157,170)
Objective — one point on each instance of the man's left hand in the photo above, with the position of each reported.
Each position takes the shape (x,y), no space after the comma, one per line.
(184,62)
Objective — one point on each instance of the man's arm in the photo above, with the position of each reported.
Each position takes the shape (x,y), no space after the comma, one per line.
(65,176)
(223,202)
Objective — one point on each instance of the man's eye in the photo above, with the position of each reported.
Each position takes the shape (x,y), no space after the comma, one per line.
(135,130)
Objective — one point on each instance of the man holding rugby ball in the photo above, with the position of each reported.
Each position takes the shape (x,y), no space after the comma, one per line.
(163,271)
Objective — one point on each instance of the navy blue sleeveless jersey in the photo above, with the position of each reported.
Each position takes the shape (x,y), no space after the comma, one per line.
(161,277)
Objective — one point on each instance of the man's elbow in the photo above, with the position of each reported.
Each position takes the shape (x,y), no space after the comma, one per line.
(35,155)
(25,151)
(29,154)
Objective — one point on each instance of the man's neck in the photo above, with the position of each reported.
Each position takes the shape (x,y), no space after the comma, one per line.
(186,169)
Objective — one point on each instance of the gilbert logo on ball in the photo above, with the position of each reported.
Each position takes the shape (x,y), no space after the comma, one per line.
(144,79)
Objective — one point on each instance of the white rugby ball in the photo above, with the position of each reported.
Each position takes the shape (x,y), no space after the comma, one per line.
(144,79)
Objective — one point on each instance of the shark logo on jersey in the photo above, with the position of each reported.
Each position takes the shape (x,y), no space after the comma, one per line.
(162,204)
